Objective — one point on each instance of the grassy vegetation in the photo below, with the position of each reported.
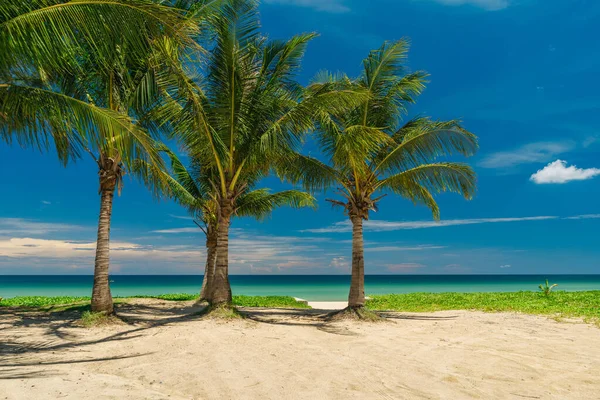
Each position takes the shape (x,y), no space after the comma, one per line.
(168,297)
(64,302)
(41,301)
(558,304)
(268,301)
(91,319)
(222,312)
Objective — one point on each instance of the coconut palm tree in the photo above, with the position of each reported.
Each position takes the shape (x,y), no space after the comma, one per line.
(372,153)
(196,192)
(69,77)
(244,114)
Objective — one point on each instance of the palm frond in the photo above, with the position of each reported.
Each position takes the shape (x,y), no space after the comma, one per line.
(39,117)
(311,173)
(356,144)
(435,177)
(422,140)
(419,195)
(45,33)
(260,203)
(385,64)
(181,174)
(280,58)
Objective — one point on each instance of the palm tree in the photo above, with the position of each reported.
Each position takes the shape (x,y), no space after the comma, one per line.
(372,153)
(69,77)
(244,114)
(196,191)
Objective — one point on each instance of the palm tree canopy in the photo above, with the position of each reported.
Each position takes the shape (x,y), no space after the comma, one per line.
(44,33)
(371,149)
(195,190)
(243,112)
(69,78)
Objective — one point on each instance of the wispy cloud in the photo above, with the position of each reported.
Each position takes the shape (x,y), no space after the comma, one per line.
(186,217)
(84,250)
(590,140)
(585,216)
(558,172)
(403,267)
(280,252)
(46,202)
(340,263)
(527,154)
(178,230)
(22,227)
(247,253)
(490,5)
(505,266)
(331,6)
(382,226)
(388,249)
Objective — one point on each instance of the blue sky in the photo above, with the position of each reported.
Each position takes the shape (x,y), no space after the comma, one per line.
(522,75)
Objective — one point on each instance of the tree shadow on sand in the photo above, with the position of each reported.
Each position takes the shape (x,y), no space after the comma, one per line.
(321,319)
(22,357)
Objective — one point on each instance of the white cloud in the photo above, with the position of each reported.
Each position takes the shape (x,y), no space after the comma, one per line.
(178,230)
(181,217)
(282,252)
(590,140)
(490,5)
(340,263)
(403,267)
(331,6)
(23,227)
(246,254)
(527,154)
(261,270)
(382,226)
(34,246)
(505,266)
(558,172)
(402,248)
(46,202)
(586,216)
(84,251)
(295,262)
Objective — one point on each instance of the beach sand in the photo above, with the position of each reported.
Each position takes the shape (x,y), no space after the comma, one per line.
(167,352)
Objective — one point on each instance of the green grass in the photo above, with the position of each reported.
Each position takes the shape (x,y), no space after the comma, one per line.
(168,297)
(91,319)
(268,301)
(222,312)
(41,301)
(70,302)
(558,304)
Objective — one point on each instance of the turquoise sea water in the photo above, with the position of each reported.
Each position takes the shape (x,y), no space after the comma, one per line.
(309,287)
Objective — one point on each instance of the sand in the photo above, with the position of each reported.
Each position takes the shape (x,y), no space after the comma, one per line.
(167,352)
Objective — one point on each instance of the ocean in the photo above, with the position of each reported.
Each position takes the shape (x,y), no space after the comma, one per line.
(309,287)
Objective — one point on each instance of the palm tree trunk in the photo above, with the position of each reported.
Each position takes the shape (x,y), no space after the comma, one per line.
(221,290)
(101,296)
(209,270)
(356,299)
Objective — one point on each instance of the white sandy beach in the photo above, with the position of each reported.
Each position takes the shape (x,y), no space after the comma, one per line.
(167,352)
